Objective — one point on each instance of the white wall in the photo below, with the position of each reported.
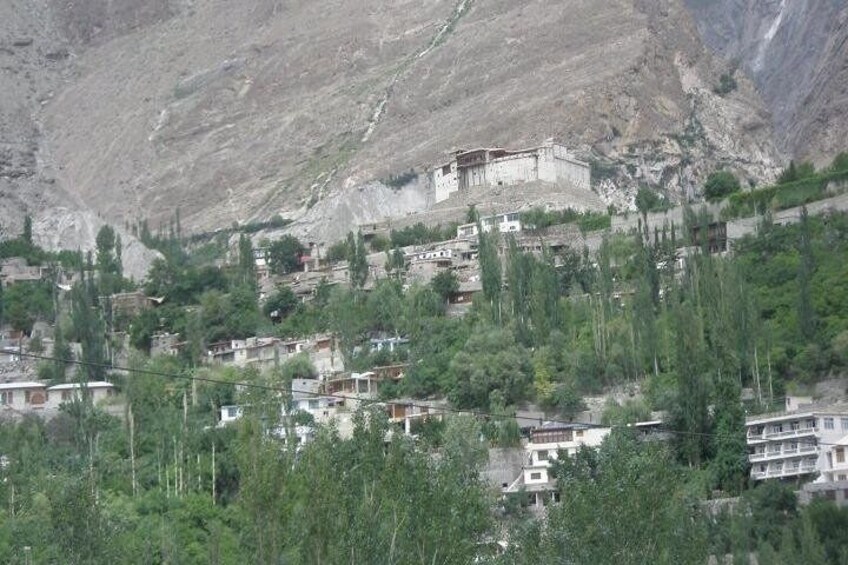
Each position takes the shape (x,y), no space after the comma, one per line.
(513,169)
(445,183)
(556,165)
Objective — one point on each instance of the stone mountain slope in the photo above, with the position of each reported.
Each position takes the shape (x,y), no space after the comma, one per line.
(796,51)
(236,111)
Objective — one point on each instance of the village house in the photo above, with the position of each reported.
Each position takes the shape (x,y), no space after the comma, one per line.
(716,240)
(836,492)
(550,162)
(258,352)
(542,447)
(97,391)
(165,344)
(503,223)
(796,444)
(404,413)
(390,344)
(17,398)
(267,352)
(16,269)
(23,396)
(130,304)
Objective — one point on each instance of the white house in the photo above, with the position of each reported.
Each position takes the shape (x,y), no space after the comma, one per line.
(504,223)
(550,162)
(266,352)
(95,390)
(792,445)
(23,396)
(544,446)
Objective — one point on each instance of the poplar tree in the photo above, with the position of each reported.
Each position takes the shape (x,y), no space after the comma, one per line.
(490,270)
(806,268)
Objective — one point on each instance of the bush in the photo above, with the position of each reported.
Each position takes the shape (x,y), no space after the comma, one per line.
(380,243)
(336,252)
(840,162)
(726,84)
(720,184)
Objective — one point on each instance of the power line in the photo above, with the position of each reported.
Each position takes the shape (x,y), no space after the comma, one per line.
(369,401)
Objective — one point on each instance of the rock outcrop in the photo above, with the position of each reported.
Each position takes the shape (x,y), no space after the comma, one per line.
(796,51)
(236,112)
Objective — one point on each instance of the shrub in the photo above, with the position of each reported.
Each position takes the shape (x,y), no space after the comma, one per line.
(720,184)
(726,84)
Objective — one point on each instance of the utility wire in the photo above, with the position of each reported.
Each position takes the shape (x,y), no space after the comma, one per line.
(260,386)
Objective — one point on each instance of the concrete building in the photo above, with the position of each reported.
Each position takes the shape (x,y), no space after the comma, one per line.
(836,457)
(23,396)
(836,492)
(406,413)
(504,223)
(549,162)
(543,446)
(258,352)
(16,269)
(97,391)
(795,445)
(265,352)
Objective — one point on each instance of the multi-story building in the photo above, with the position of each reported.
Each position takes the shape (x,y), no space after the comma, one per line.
(544,446)
(550,162)
(836,458)
(794,445)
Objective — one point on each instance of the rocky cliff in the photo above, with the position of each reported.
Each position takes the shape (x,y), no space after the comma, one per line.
(796,51)
(232,112)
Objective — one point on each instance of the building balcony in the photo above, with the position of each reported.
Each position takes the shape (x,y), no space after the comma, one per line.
(791,469)
(786,434)
(800,432)
(787,451)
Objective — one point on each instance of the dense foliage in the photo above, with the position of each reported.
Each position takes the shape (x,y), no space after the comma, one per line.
(164,484)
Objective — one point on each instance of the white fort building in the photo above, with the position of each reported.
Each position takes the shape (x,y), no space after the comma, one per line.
(550,162)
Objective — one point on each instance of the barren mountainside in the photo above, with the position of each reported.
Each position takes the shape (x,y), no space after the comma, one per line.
(796,51)
(232,112)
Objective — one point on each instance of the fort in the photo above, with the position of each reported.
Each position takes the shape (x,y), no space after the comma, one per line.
(550,162)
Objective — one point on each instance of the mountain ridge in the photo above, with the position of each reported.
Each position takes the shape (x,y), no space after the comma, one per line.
(232,115)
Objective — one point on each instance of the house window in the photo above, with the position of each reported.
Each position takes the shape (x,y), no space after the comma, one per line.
(844,423)
(232,411)
(840,455)
(842,477)
(579,433)
(446,170)
(6,397)
(828,423)
(542,455)
(535,476)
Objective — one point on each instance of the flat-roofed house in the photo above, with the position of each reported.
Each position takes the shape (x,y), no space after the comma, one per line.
(23,396)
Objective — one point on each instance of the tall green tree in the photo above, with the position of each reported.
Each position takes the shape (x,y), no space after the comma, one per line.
(357,259)
(490,270)
(624,503)
(729,465)
(806,268)
(26,236)
(284,255)
(108,260)
(246,262)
